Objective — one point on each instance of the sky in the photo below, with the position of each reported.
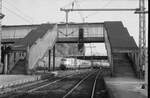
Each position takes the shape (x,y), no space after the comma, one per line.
(19,12)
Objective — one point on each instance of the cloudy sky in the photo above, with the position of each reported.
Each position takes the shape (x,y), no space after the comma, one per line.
(42,11)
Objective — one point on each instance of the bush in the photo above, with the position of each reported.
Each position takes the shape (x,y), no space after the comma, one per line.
(62,67)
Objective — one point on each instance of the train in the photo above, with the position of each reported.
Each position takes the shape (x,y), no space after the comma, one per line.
(73,63)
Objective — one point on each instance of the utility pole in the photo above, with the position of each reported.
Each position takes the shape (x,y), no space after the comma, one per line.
(142,38)
(1,17)
(0,30)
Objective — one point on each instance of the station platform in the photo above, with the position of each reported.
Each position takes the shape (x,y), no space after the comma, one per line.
(125,87)
(12,80)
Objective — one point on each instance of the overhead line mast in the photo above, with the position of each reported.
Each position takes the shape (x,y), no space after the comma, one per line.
(1,17)
(142,39)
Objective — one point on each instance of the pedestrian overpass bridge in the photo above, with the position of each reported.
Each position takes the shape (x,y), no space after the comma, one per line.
(41,39)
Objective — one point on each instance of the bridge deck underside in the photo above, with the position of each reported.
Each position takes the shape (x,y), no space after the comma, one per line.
(90,57)
(64,40)
(76,40)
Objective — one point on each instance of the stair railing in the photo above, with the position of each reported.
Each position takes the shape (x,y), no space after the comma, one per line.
(109,50)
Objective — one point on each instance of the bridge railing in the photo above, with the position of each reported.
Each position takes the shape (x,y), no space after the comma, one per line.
(90,30)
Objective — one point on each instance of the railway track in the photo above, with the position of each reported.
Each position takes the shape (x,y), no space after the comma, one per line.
(89,91)
(48,83)
(31,87)
(79,85)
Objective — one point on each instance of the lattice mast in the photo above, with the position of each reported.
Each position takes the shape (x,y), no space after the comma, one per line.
(142,35)
(1,17)
(0,29)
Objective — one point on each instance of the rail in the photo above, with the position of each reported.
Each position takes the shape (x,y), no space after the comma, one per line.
(68,93)
(87,77)
(30,87)
(47,84)
(94,85)
(83,80)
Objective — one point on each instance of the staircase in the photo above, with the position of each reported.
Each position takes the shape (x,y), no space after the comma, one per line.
(122,65)
(19,67)
(36,43)
(119,43)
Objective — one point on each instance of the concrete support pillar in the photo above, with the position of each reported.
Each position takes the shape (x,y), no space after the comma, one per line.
(27,60)
(75,63)
(112,66)
(14,57)
(9,58)
(49,60)
(6,63)
(54,58)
